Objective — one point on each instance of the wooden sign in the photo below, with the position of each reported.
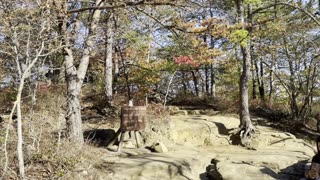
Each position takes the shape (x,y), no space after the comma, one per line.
(133,118)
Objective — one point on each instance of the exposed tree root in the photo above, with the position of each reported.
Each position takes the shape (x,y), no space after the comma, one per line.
(246,133)
(242,135)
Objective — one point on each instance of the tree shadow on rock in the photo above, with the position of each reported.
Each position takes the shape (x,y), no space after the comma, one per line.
(293,172)
(99,137)
(270,172)
(222,128)
(171,167)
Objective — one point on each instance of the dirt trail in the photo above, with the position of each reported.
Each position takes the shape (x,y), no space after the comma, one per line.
(199,149)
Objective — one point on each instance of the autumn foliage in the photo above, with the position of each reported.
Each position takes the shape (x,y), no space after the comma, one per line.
(185,60)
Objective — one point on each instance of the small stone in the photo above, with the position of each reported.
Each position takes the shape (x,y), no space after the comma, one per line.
(85,173)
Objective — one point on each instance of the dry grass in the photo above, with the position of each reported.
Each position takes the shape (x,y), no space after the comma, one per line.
(47,154)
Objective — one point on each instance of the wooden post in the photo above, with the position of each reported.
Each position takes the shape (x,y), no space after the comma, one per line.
(115,137)
(121,142)
(136,134)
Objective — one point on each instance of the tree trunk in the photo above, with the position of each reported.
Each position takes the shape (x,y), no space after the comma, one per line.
(207,79)
(294,106)
(213,82)
(213,79)
(292,88)
(17,104)
(75,77)
(271,78)
(212,45)
(202,83)
(254,79)
(244,88)
(246,125)
(108,63)
(259,77)
(261,84)
(168,88)
(73,117)
(116,70)
(188,84)
(205,82)
(184,83)
(19,128)
(195,81)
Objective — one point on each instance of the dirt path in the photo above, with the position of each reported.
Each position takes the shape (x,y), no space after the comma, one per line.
(199,149)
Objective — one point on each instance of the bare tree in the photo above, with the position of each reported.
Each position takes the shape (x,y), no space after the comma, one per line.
(29,34)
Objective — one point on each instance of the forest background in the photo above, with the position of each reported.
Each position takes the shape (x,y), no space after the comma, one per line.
(233,56)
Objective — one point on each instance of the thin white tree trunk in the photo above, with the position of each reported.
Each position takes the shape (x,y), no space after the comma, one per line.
(168,88)
(19,129)
(108,63)
(17,106)
(7,138)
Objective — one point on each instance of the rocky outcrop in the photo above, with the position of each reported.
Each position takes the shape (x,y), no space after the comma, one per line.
(198,147)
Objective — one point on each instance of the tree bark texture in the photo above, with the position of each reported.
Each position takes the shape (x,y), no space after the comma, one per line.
(246,125)
(75,77)
(244,88)
(116,70)
(108,77)
(254,79)
(73,117)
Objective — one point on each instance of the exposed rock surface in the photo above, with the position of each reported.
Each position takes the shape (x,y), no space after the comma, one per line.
(200,149)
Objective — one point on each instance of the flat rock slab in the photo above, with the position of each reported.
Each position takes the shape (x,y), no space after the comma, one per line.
(196,141)
(155,166)
(276,154)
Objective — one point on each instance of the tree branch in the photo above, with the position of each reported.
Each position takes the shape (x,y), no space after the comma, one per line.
(142,2)
(158,21)
(302,10)
(290,5)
